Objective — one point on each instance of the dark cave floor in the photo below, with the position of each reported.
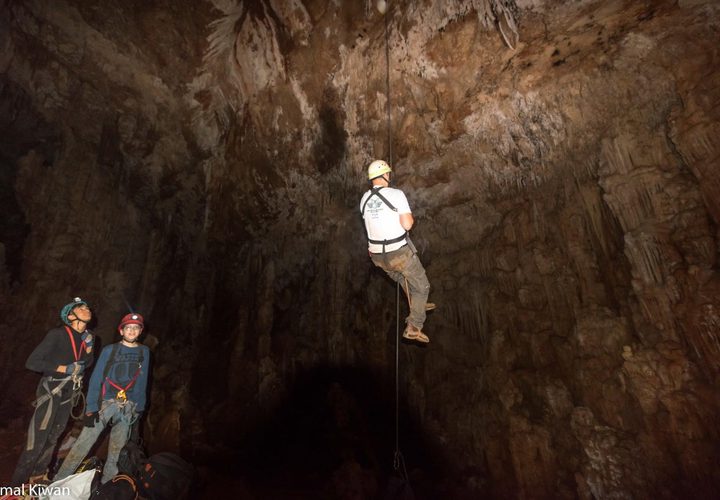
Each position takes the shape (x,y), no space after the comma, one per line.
(332,438)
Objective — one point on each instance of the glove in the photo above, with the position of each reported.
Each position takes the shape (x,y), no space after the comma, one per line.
(90,419)
(88,339)
(75,368)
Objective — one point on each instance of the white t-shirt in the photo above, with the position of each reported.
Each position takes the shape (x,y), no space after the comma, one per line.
(381,222)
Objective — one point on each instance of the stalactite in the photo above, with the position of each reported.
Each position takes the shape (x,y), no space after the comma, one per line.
(632,201)
(708,337)
(642,250)
(527,170)
(596,215)
(657,307)
(471,316)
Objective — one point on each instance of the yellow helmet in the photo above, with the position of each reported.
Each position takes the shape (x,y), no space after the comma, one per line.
(377,169)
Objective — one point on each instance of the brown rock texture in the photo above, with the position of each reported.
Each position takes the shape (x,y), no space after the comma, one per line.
(203,161)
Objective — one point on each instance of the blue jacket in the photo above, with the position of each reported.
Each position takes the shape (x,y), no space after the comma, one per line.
(129,363)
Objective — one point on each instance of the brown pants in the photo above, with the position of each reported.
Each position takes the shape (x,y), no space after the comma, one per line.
(402,264)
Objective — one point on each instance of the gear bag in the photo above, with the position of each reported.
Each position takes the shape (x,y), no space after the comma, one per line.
(166,476)
(121,487)
(132,458)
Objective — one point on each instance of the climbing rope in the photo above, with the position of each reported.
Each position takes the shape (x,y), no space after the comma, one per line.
(398,459)
(387,87)
(77,399)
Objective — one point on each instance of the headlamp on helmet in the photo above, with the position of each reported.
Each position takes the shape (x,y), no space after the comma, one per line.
(68,308)
(131,319)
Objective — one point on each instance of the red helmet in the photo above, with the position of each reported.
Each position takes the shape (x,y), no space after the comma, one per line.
(131,319)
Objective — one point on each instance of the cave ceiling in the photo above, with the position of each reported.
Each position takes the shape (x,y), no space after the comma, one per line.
(203,161)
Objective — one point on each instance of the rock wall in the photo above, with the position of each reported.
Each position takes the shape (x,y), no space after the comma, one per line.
(203,162)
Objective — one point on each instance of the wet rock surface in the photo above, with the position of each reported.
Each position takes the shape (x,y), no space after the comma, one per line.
(202,162)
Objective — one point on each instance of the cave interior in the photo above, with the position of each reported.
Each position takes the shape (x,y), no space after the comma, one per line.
(202,162)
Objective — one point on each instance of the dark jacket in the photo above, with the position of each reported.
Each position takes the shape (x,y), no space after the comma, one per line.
(61,346)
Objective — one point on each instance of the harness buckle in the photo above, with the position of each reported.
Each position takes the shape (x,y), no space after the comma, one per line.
(77,383)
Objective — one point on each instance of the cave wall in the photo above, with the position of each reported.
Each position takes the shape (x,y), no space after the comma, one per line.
(203,161)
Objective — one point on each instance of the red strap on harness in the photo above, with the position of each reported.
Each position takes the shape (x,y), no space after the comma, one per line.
(76,351)
(118,387)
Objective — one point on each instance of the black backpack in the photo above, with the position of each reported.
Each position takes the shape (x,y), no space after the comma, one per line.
(121,487)
(166,476)
(132,459)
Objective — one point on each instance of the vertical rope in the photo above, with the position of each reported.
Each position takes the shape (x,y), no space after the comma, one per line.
(398,460)
(387,93)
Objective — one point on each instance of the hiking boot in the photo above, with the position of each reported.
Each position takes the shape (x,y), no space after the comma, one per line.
(39,479)
(413,333)
(429,306)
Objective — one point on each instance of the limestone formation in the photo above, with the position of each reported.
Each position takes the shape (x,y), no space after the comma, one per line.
(202,162)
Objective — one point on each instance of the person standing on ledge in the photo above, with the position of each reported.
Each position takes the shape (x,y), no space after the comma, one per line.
(116,396)
(388,219)
(61,357)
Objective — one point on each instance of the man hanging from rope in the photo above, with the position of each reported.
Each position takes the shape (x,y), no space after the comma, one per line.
(62,356)
(388,219)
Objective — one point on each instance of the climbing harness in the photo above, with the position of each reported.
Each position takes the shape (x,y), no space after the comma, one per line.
(77,394)
(375,191)
(49,396)
(126,408)
(384,243)
(121,396)
(77,351)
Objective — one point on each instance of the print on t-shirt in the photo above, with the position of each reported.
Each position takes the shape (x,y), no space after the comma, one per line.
(373,207)
(125,366)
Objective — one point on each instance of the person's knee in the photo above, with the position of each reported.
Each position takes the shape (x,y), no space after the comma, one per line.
(419,282)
